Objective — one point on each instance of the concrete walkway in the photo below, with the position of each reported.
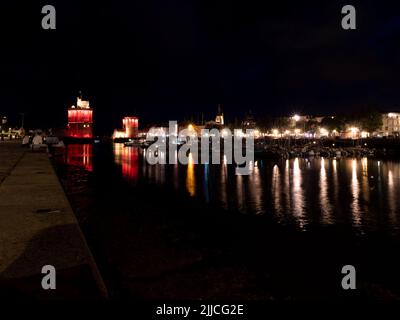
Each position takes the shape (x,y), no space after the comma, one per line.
(37,228)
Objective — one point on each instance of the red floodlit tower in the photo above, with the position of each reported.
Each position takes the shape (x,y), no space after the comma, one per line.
(131,126)
(80,120)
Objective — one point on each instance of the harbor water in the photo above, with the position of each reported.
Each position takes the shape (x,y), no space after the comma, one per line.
(282,232)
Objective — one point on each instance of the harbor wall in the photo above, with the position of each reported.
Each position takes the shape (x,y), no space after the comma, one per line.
(38,228)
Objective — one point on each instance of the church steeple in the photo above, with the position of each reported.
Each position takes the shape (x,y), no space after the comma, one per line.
(219,119)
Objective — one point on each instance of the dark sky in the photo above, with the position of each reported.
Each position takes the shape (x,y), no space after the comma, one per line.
(173,59)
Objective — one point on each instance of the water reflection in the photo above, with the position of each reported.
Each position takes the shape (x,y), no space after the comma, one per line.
(80,155)
(355,192)
(365,183)
(224,184)
(205,183)
(360,192)
(256,189)
(335,181)
(190,176)
(297,192)
(240,193)
(323,195)
(276,190)
(287,187)
(392,193)
(128,159)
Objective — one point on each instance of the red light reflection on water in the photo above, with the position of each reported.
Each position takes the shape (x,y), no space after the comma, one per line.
(127,157)
(80,155)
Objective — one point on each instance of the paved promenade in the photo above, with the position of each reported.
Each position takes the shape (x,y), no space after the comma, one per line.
(37,228)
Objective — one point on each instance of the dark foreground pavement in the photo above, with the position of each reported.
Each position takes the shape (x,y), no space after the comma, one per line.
(37,228)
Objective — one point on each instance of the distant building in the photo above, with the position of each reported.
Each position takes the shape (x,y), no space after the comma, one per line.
(219,119)
(80,120)
(249,121)
(3,122)
(304,118)
(130,128)
(391,124)
(8,130)
(159,132)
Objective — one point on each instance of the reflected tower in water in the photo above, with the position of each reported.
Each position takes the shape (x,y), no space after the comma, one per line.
(128,159)
(80,155)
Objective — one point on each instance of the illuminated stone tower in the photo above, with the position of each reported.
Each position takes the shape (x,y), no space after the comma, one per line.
(131,126)
(80,120)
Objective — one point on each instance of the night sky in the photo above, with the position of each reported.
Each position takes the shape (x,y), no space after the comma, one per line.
(174,59)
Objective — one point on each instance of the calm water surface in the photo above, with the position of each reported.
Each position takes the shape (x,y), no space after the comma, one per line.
(360,192)
(283,231)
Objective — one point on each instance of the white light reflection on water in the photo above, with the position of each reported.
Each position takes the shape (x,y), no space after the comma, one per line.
(240,193)
(176,170)
(325,203)
(360,192)
(335,181)
(256,190)
(288,207)
(276,191)
(355,192)
(392,195)
(297,193)
(224,184)
(365,182)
